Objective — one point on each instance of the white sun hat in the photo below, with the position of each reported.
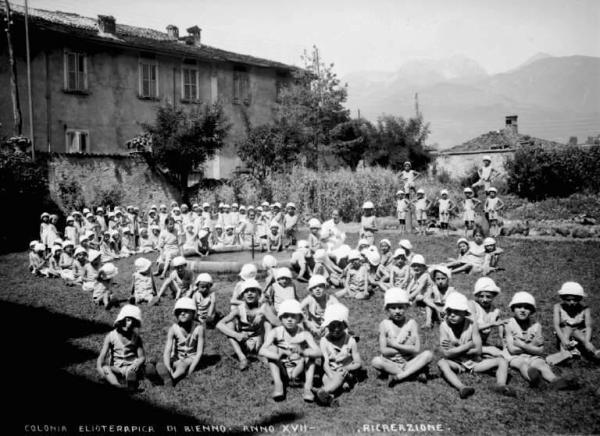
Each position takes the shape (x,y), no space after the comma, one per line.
(440,268)
(571,288)
(250,284)
(368,205)
(405,243)
(522,297)
(109,270)
(457,301)
(485,284)
(203,278)
(399,252)
(93,255)
(320,254)
(184,303)
(269,261)
(302,243)
(316,280)
(283,272)
(487,157)
(129,311)
(421,191)
(248,271)
(418,259)
(289,306)
(314,223)
(467,190)
(179,261)
(142,264)
(373,257)
(395,296)
(354,255)
(335,312)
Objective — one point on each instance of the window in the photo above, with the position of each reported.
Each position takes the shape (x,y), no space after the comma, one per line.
(75,71)
(78,141)
(241,87)
(190,84)
(148,79)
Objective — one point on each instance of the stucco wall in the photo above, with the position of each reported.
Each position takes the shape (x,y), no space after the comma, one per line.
(459,164)
(111,110)
(140,185)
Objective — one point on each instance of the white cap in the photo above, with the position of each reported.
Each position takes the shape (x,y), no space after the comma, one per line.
(363,242)
(302,243)
(465,240)
(274,224)
(289,306)
(235,205)
(373,257)
(45,214)
(226,206)
(86,210)
(489,241)
(39,247)
(70,218)
(492,189)
(265,204)
(283,272)
(179,261)
(441,268)
(487,157)
(205,204)
(405,243)
(571,288)
(444,191)
(395,296)
(248,271)
(184,303)
(467,190)
(142,264)
(385,241)
(485,284)
(316,280)
(56,248)
(269,261)
(418,259)
(354,255)
(68,243)
(250,284)
(79,250)
(368,205)
(335,312)
(421,191)
(129,311)
(276,204)
(400,192)
(399,252)
(457,301)
(203,277)
(522,298)
(109,270)
(290,204)
(93,255)
(32,244)
(314,223)
(320,254)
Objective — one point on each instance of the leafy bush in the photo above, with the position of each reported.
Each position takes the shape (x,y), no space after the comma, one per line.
(108,197)
(537,173)
(71,195)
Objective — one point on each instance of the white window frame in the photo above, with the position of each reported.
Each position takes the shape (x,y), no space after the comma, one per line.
(81,82)
(153,63)
(183,83)
(75,145)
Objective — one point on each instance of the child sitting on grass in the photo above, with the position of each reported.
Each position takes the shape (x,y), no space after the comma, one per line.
(81,256)
(326,268)
(341,360)
(38,263)
(90,270)
(484,313)
(435,298)
(205,300)
(269,263)
(420,284)
(102,293)
(399,342)
(524,345)
(572,325)
(385,248)
(400,274)
(461,349)
(356,284)
(302,261)
(368,223)
(184,346)
(491,256)
(121,360)
(274,238)
(246,324)
(248,272)
(282,289)
(315,304)
(143,288)
(314,238)
(179,281)
(376,273)
(291,352)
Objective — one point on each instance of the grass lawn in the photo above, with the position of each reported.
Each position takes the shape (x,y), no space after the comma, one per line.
(53,333)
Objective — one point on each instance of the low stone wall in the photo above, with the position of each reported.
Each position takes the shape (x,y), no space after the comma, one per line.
(93,177)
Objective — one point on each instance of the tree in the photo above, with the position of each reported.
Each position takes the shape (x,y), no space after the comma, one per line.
(350,140)
(398,140)
(311,106)
(182,141)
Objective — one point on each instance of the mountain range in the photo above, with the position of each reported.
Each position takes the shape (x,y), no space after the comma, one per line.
(554,97)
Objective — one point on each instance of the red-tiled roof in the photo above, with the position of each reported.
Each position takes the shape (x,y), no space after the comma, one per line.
(138,37)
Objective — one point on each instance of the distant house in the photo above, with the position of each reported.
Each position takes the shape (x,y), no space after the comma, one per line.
(499,145)
(94,81)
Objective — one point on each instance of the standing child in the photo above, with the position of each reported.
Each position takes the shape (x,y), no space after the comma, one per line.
(184,346)
(486,173)
(204,300)
(315,304)
(469,205)
(71,231)
(445,206)
(143,288)
(572,325)
(484,313)
(402,209)
(399,341)
(461,349)
(421,206)
(191,242)
(524,344)
(368,223)
(291,352)
(168,244)
(408,176)
(246,324)
(121,360)
(179,281)
(290,224)
(146,243)
(493,206)
(102,294)
(341,360)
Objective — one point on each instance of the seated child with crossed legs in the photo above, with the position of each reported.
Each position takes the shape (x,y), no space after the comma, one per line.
(291,352)
(399,342)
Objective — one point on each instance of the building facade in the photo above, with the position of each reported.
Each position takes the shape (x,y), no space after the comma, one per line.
(95,82)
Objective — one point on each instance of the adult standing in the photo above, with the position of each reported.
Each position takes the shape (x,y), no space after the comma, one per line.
(486,174)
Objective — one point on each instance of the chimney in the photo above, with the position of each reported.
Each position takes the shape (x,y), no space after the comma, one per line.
(511,124)
(173,32)
(194,36)
(107,24)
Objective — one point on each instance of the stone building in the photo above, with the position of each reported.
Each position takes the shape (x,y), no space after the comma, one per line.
(95,81)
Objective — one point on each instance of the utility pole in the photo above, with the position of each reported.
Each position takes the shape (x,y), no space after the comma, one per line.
(318,127)
(14,90)
(29,82)
(417,112)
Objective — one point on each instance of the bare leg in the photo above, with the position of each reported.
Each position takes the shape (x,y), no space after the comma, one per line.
(278,390)
(448,372)
(416,364)
(110,377)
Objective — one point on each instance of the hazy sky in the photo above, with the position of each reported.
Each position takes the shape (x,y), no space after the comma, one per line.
(376,35)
